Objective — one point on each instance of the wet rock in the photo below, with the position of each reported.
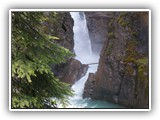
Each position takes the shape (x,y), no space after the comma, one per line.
(72,71)
(97,23)
(63,29)
(89,85)
(122,75)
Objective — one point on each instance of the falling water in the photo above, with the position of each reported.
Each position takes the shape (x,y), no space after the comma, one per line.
(83,51)
(82,43)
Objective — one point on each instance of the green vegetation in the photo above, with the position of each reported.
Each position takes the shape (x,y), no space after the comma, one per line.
(142,68)
(33,52)
(143,73)
(110,25)
(109,48)
(134,58)
(123,23)
(122,19)
(111,35)
(132,55)
(138,60)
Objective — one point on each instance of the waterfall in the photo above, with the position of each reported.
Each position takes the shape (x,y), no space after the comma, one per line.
(82,43)
(78,87)
(83,52)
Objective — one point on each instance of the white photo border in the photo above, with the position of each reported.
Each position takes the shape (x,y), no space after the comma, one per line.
(77,10)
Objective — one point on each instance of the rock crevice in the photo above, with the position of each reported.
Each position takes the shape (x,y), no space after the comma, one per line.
(72,70)
(122,75)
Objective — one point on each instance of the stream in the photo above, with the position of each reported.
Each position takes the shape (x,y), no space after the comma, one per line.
(83,52)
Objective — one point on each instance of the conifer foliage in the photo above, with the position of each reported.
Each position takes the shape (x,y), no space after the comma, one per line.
(33,84)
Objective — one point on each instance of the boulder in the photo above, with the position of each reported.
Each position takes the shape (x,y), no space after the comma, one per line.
(89,86)
(71,71)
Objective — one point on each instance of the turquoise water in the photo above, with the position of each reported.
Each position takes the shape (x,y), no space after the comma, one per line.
(89,103)
(77,100)
(84,53)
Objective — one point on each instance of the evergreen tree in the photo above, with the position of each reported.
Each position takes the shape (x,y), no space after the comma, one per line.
(33,52)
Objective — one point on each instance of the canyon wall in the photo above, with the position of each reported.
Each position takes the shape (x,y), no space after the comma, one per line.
(72,69)
(61,26)
(97,23)
(123,73)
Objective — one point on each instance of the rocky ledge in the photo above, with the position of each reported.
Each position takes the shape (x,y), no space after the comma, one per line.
(123,73)
(71,71)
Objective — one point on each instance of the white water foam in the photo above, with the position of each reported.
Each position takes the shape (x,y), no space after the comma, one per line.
(82,43)
(83,51)
(78,87)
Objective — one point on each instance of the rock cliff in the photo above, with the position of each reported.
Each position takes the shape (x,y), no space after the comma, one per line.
(71,71)
(123,73)
(97,23)
(62,28)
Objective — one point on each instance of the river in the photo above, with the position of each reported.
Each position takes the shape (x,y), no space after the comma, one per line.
(83,52)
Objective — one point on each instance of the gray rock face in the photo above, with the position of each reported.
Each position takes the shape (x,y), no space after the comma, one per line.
(97,23)
(71,71)
(63,29)
(122,75)
(88,90)
(66,34)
